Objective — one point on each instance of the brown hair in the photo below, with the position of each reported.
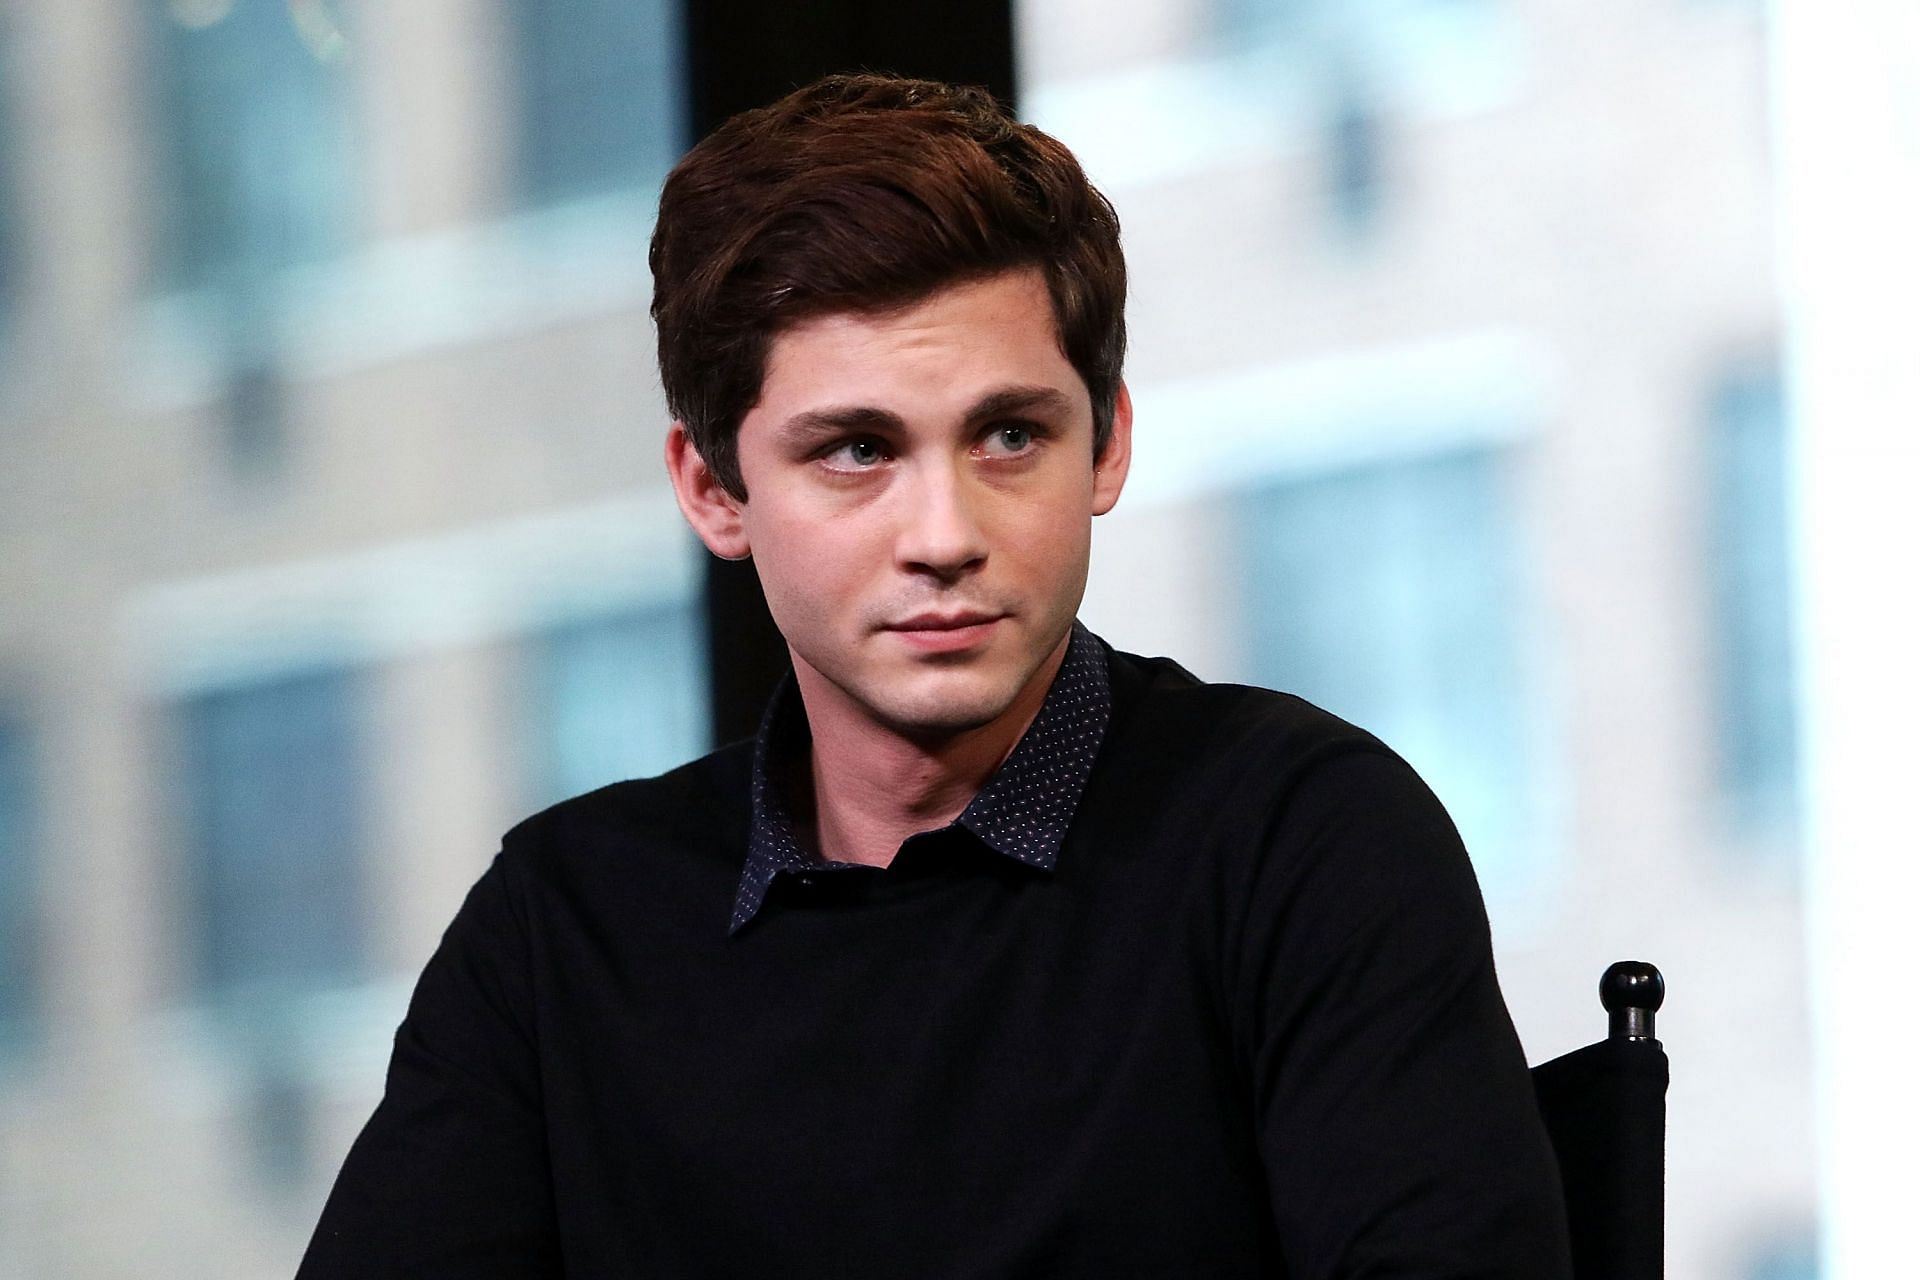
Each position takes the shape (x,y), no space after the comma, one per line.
(865,193)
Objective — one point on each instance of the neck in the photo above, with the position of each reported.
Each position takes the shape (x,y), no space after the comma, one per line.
(874,786)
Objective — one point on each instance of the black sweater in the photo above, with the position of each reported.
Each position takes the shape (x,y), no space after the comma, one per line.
(1247,1026)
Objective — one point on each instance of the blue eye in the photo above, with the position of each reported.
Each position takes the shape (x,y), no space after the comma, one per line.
(857,455)
(1010,439)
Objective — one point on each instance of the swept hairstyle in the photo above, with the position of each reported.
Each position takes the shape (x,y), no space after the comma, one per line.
(866,193)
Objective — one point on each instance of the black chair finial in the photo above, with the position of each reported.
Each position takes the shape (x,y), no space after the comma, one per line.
(1605,1106)
(1632,991)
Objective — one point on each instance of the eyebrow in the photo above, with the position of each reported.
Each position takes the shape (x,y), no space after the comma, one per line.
(814,423)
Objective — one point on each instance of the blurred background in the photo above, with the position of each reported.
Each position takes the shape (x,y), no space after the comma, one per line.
(1475,359)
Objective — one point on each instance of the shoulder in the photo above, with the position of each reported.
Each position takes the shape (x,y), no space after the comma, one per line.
(1289,793)
(642,827)
(1225,734)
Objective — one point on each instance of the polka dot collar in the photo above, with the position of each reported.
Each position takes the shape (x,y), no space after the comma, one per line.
(1022,813)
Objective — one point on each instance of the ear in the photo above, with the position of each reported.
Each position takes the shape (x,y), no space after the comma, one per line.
(1110,468)
(714,513)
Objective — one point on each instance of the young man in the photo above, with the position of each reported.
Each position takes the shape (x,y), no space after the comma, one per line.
(998,952)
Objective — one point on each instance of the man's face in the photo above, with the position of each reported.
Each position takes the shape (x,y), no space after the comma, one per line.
(920,491)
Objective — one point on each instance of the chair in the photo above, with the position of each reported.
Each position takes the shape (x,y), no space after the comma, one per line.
(1605,1107)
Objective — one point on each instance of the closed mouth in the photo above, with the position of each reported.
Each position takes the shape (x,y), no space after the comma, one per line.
(943,621)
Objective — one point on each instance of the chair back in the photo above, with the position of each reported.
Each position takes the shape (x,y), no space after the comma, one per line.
(1605,1107)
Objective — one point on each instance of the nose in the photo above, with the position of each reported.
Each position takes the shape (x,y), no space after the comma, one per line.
(940,530)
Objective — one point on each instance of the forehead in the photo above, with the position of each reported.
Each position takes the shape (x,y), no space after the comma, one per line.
(937,352)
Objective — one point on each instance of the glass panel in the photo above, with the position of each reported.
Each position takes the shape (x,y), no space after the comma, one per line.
(19,931)
(1792,1257)
(600,96)
(1356,155)
(1348,59)
(1319,19)
(274,776)
(255,105)
(10,248)
(1752,595)
(622,696)
(1387,594)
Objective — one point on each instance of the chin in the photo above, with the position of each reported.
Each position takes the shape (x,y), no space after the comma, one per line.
(943,711)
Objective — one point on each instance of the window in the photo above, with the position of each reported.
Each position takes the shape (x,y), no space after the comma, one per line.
(255,420)
(255,104)
(19,934)
(1389,596)
(274,780)
(1793,1256)
(1356,157)
(1361,62)
(1239,20)
(254,100)
(10,247)
(621,696)
(600,98)
(1253,19)
(1750,579)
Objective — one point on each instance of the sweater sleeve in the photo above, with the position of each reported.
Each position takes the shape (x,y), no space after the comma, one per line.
(450,1176)
(1397,1125)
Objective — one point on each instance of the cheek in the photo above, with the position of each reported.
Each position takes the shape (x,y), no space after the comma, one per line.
(1048,559)
(808,567)
(1052,540)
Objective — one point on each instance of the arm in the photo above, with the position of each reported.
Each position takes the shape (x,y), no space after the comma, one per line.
(450,1178)
(1397,1122)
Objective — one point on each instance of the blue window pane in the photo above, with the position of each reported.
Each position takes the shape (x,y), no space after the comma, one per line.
(618,697)
(10,248)
(1237,20)
(1324,20)
(19,932)
(1358,59)
(256,431)
(600,96)
(1751,582)
(1356,157)
(255,103)
(279,1122)
(1791,1257)
(275,784)
(1389,595)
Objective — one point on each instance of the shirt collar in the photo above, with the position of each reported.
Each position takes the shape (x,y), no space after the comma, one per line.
(1023,812)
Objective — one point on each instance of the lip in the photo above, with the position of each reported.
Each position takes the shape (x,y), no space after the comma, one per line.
(933,620)
(945,632)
